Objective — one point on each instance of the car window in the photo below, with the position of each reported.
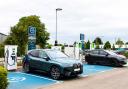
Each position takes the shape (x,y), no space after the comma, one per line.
(56,54)
(103,53)
(111,53)
(42,54)
(34,53)
(95,52)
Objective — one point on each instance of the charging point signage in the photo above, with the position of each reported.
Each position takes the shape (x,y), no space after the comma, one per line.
(82,37)
(10,57)
(82,41)
(31,38)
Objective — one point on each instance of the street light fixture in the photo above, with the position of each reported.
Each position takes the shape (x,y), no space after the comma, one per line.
(56,42)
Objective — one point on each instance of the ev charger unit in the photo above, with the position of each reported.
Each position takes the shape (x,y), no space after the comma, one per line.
(10,60)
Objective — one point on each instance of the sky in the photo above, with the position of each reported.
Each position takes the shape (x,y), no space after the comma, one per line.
(107,19)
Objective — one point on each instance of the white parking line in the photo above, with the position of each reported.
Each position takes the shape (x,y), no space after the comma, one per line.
(84,75)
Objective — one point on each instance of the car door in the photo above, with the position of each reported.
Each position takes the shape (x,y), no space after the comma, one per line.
(103,58)
(45,61)
(94,56)
(35,59)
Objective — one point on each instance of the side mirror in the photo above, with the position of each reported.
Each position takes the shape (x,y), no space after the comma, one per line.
(46,58)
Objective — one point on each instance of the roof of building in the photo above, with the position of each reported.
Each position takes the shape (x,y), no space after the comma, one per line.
(3,34)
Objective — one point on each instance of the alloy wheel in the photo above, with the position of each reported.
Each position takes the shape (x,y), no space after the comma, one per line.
(55,73)
(26,68)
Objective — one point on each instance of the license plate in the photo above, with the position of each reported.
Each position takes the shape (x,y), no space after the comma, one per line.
(78,69)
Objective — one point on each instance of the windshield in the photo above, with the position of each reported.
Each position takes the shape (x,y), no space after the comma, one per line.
(56,54)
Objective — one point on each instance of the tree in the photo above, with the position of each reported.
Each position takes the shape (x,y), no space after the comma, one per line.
(19,33)
(113,47)
(126,43)
(107,45)
(87,45)
(97,46)
(48,46)
(119,42)
(10,40)
(1,50)
(98,41)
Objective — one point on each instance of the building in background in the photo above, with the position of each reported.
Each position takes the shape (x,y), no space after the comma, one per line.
(2,37)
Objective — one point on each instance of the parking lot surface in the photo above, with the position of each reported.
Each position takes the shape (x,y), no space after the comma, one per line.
(18,80)
(114,79)
(93,69)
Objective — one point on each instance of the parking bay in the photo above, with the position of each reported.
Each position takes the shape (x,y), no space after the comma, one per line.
(19,80)
(94,69)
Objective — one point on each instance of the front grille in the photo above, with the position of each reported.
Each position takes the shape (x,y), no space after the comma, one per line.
(76,65)
(70,70)
(79,65)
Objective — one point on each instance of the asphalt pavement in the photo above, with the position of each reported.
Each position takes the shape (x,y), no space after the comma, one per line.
(113,79)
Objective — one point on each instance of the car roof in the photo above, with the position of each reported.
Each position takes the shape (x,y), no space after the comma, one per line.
(100,50)
(42,50)
(97,50)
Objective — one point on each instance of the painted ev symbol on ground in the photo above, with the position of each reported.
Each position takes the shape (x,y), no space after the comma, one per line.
(16,79)
(19,80)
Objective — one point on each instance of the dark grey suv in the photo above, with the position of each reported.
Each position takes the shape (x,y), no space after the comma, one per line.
(105,57)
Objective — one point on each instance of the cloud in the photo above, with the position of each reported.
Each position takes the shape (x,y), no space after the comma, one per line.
(107,18)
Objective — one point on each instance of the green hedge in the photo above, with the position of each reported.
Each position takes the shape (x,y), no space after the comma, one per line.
(125,54)
(3,78)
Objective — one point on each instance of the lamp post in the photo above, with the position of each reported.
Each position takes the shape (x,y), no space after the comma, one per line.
(56,42)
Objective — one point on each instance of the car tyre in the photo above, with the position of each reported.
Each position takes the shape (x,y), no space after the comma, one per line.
(26,68)
(55,73)
(115,63)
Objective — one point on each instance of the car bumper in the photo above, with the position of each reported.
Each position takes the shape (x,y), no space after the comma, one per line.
(68,71)
(123,62)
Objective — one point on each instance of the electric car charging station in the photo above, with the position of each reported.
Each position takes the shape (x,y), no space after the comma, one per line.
(10,57)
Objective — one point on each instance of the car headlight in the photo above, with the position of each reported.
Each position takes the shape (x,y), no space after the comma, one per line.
(121,59)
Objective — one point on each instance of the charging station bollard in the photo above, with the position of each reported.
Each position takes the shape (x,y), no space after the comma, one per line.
(10,60)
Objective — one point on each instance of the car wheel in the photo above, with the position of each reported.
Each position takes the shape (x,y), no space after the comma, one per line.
(115,63)
(55,72)
(26,68)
